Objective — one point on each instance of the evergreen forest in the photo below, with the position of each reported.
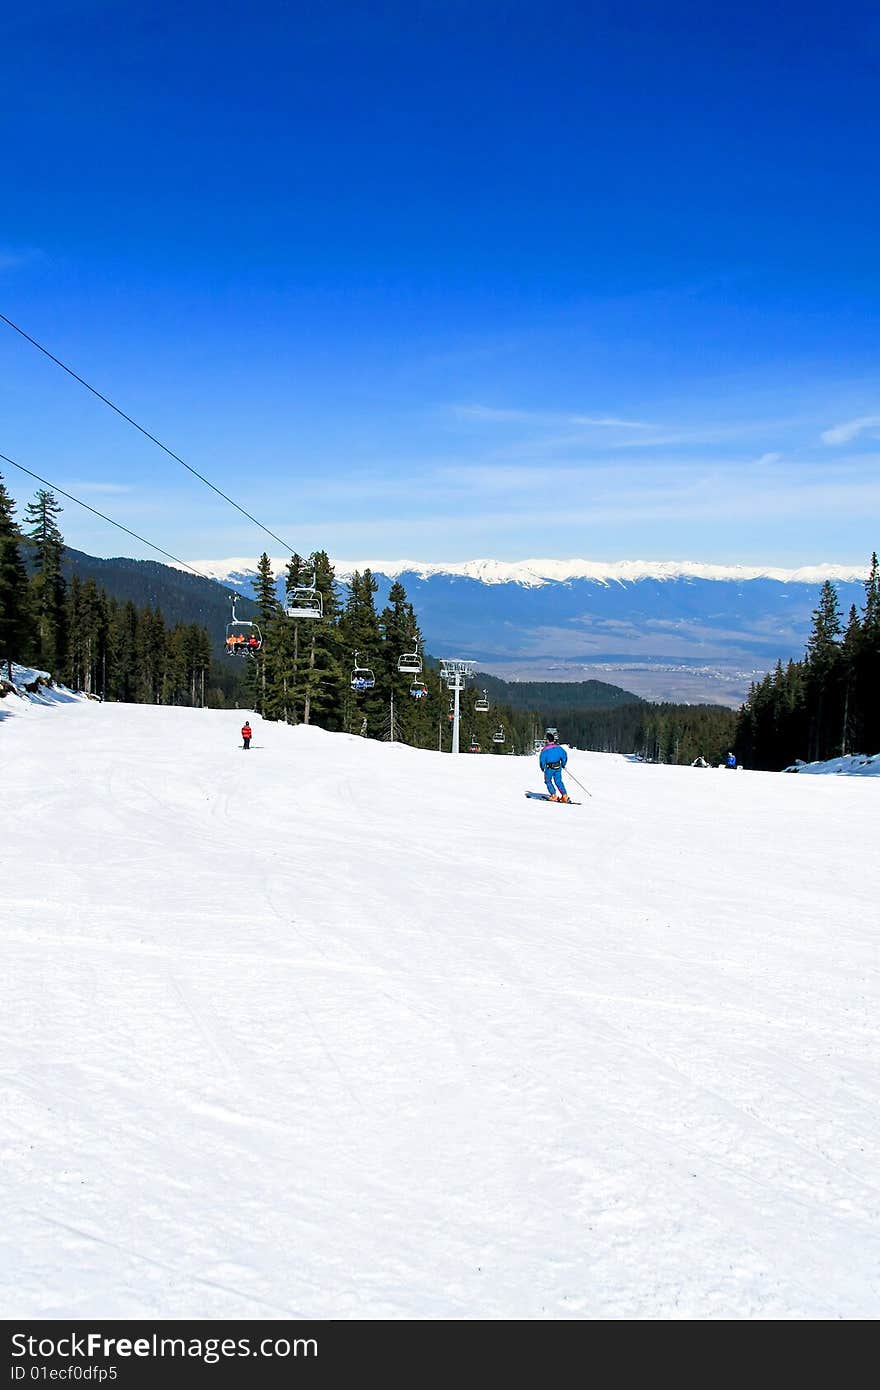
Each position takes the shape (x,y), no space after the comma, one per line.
(88,640)
(827,704)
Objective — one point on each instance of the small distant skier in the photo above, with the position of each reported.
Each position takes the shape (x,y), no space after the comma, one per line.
(730,761)
(552,760)
(247,734)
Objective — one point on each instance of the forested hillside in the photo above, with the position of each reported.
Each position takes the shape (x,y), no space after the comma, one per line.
(554,695)
(181,597)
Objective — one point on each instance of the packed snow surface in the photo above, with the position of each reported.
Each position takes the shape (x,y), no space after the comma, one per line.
(335,1029)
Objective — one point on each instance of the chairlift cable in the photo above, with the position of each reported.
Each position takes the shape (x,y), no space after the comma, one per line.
(170,452)
(94,510)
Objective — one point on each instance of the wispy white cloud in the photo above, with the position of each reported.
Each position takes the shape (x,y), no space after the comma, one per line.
(667,506)
(768,459)
(557,435)
(842,434)
(609,422)
(107,489)
(537,417)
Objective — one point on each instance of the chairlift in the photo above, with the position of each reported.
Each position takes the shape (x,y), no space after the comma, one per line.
(242,639)
(498,736)
(481,704)
(474,747)
(305,601)
(410,663)
(362,677)
(418,690)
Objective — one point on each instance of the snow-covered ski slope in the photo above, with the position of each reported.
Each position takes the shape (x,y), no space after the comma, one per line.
(335,1029)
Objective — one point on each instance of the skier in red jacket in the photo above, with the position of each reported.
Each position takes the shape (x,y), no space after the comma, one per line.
(246,734)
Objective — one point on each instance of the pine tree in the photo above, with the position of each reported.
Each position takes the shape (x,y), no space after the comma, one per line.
(872,596)
(289,695)
(824,675)
(47,586)
(401,634)
(87,624)
(151,648)
(14,625)
(851,726)
(322,682)
(868,662)
(123,679)
(200,664)
(263,673)
(175,675)
(362,639)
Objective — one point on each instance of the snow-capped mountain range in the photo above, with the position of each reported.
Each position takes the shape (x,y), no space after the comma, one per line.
(533,574)
(665,629)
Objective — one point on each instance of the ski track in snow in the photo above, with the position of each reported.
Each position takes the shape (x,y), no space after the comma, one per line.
(347,1030)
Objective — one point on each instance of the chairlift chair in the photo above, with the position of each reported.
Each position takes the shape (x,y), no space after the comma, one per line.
(242,638)
(410,663)
(418,690)
(474,747)
(481,704)
(362,677)
(498,736)
(305,601)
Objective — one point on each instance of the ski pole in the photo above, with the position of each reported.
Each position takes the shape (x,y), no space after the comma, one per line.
(578,784)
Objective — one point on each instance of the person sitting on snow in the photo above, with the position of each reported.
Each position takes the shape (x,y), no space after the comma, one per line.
(552,760)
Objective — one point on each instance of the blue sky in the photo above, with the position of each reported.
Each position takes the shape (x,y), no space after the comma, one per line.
(449,280)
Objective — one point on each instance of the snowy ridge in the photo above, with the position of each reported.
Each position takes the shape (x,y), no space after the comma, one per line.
(535,574)
(32,689)
(849,765)
(24,675)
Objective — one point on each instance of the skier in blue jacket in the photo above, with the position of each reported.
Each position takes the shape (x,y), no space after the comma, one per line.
(553,759)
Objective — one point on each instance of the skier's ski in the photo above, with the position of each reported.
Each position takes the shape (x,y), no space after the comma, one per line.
(544,796)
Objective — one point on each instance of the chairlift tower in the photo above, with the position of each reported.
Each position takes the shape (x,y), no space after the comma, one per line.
(456,672)
(391,733)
